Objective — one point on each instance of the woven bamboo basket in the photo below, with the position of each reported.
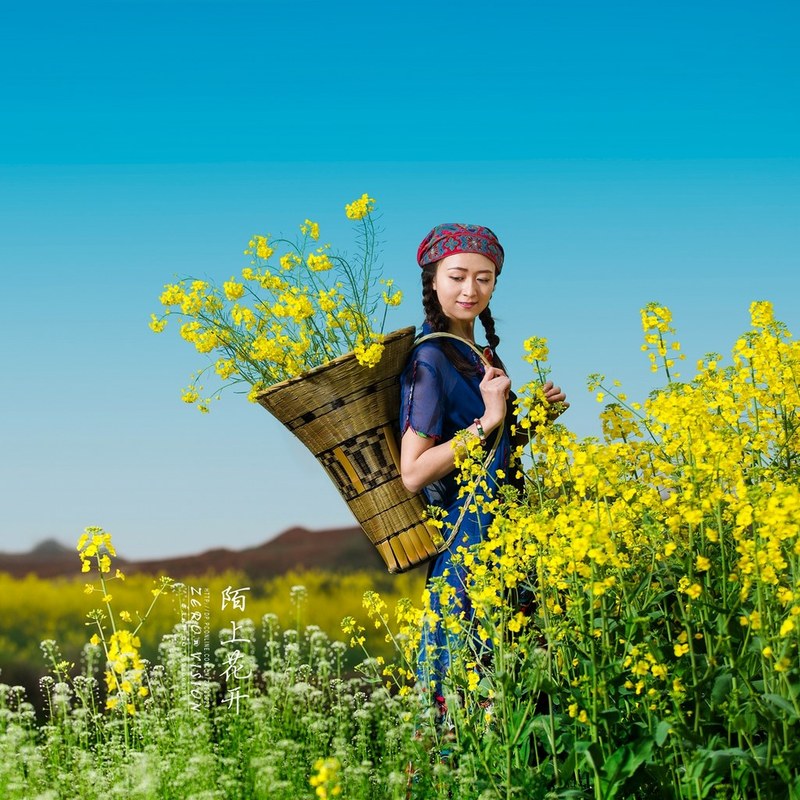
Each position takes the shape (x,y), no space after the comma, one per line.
(347,416)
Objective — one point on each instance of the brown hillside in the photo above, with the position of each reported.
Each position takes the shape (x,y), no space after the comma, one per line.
(334,549)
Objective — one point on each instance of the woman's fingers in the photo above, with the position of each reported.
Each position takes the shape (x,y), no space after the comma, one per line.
(495,387)
(496,380)
(492,372)
(556,400)
(552,393)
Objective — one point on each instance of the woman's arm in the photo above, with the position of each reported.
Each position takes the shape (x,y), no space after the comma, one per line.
(423,461)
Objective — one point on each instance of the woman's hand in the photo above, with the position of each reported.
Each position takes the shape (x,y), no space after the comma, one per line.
(556,400)
(495,386)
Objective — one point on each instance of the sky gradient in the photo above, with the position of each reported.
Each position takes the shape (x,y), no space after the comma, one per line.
(623,152)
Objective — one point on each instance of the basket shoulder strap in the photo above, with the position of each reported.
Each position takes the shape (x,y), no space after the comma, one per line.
(445,335)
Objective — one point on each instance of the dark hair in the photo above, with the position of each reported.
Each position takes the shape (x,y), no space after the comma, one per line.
(436,318)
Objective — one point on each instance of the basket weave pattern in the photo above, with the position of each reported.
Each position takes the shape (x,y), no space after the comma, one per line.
(346,415)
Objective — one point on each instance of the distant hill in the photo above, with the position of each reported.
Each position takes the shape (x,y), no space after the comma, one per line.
(333,549)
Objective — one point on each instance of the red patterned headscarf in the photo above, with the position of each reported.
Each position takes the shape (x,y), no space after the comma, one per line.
(453,237)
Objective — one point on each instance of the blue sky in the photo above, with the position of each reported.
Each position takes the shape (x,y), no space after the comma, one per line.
(623,152)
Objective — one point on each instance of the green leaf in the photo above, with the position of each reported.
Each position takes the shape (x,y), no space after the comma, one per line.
(783,704)
(623,763)
(662,731)
(716,763)
(591,752)
(722,688)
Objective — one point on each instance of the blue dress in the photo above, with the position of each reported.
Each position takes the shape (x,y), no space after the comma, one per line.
(437,400)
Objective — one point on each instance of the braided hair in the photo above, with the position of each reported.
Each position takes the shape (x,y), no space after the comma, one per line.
(438,321)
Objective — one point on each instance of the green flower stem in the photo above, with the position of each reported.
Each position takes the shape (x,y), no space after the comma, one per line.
(664,359)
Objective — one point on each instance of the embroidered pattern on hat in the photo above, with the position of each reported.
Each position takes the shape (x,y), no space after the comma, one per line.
(453,237)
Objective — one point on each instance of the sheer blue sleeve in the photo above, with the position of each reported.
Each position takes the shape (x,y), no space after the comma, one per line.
(422,399)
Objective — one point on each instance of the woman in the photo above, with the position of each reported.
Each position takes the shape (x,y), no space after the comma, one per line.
(445,390)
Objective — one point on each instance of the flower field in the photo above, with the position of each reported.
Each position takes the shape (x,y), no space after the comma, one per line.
(637,613)
(35,610)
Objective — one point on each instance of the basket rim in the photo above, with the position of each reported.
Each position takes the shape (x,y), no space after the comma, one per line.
(400,333)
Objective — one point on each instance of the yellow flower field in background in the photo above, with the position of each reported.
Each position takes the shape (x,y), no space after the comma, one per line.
(33,609)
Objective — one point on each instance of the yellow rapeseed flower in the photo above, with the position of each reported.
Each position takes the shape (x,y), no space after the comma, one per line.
(172,295)
(368,355)
(262,249)
(309,228)
(393,299)
(536,349)
(319,262)
(233,290)
(326,781)
(157,325)
(288,261)
(360,208)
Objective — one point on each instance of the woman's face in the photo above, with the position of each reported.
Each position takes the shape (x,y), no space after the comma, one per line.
(464,283)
